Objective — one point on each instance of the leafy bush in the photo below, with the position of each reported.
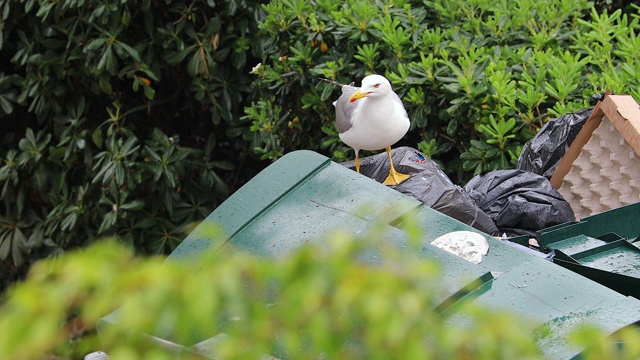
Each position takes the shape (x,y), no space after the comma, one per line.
(116,120)
(477,77)
(319,302)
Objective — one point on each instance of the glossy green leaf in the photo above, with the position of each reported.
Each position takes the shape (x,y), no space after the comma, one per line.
(97,138)
(134,205)
(6,105)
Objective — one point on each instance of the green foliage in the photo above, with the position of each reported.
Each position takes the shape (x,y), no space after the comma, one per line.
(321,301)
(478,77)
(116,118)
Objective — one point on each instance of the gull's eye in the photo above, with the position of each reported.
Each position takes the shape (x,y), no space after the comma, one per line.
(376,85)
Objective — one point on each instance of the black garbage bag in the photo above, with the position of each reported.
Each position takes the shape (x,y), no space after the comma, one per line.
(542,154)
(519,202)
(429,184)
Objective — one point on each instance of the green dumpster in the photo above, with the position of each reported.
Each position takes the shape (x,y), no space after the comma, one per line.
(304,195)
(602,247)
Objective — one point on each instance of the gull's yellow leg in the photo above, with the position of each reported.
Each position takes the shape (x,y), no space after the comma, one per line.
(394,177)
(357,164)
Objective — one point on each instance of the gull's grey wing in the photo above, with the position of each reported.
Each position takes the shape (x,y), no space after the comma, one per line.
(344,108)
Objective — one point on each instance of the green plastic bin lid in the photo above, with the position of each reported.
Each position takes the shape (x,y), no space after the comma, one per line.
(304,195)
(623,222)
(602,247)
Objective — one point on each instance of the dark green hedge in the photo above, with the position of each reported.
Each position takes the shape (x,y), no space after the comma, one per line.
(119,118)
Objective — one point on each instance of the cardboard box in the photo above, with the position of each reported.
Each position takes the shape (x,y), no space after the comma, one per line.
(601,169)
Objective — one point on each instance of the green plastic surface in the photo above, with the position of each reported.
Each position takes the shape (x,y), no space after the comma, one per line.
(580,243)
(624,221)
(304,195)
(600,248)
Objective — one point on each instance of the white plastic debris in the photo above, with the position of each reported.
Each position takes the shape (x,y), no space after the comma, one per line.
(98,355)
(465,244)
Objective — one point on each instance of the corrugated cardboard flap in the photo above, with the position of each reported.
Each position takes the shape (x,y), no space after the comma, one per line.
(623,112)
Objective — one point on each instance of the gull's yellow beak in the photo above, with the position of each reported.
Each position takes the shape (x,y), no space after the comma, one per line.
(357,95)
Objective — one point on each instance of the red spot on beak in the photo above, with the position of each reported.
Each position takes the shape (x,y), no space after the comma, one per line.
(358,95)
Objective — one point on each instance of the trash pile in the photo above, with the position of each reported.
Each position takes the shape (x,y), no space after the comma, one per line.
(525,200)
(511,202)
(573,199)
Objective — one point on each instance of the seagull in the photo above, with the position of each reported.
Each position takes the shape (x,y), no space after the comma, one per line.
(372,117)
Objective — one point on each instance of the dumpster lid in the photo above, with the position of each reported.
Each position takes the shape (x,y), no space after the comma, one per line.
(304,195)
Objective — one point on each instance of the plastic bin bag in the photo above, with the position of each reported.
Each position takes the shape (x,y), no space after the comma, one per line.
(428,184)
(519,202)
(542,154)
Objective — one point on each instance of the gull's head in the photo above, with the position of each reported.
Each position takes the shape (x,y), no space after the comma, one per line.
(372,86)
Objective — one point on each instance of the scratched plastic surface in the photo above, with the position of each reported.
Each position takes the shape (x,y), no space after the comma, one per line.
(619,260)
(619,257)
(303,196)
(576,244)
(601,247)
(621,221)
(301,199)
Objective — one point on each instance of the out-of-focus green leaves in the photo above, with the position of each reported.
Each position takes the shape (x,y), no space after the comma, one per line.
(320,301)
